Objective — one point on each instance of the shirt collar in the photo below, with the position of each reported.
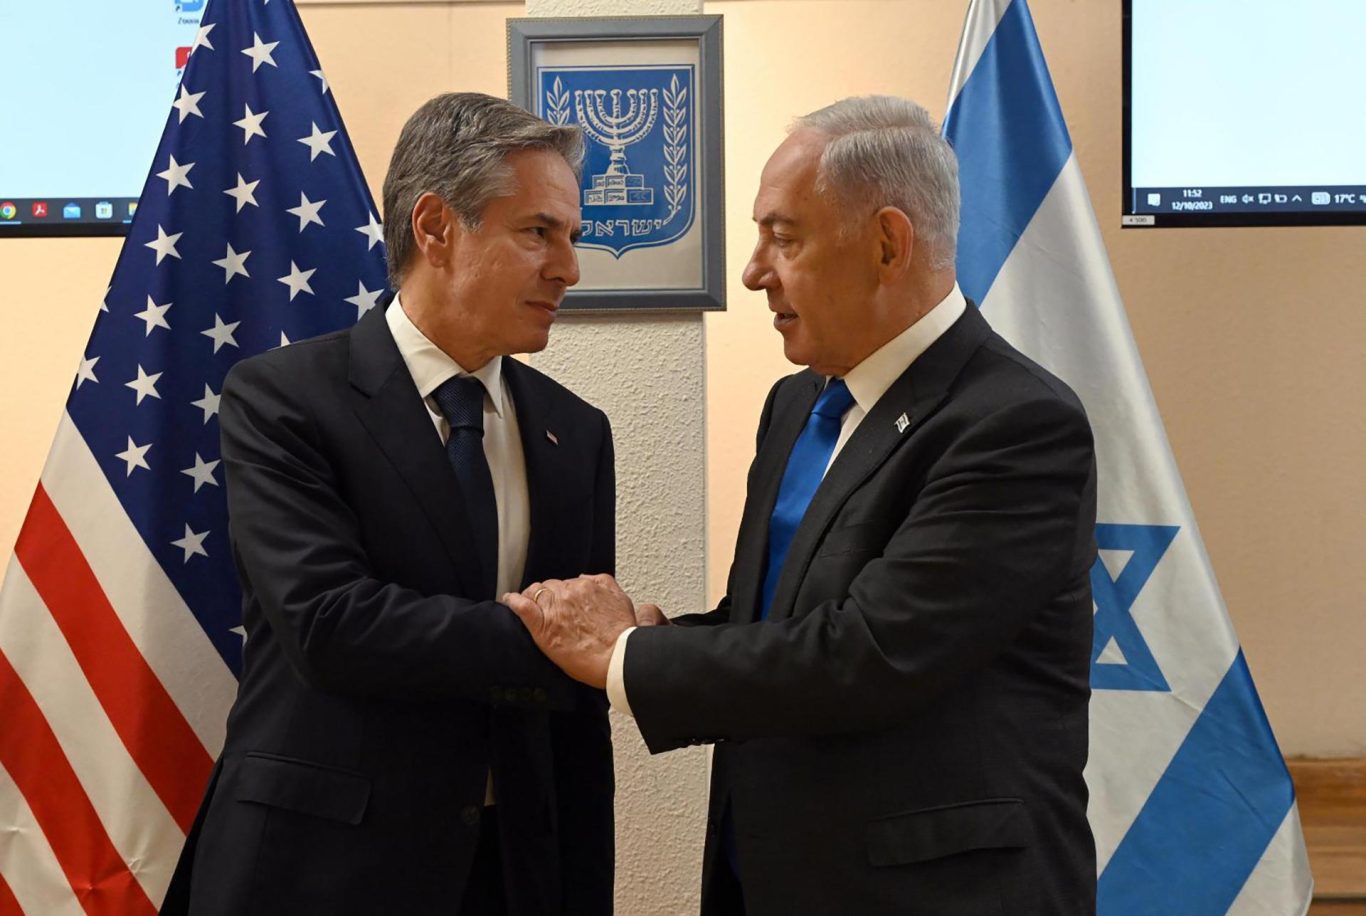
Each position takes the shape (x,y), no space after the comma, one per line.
(870,379)
(430,366)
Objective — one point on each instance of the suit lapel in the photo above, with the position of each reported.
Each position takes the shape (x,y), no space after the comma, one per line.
(751,552)
(393,413)
(915,395)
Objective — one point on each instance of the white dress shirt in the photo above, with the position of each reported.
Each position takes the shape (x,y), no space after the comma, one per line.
(868,382)
(429,366)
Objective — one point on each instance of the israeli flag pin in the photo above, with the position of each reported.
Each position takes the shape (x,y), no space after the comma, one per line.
(902,422)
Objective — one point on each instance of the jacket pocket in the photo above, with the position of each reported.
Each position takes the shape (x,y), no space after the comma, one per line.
(303,787)
(933,833)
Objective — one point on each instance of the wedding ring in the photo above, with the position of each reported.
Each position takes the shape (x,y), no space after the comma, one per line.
(536,598)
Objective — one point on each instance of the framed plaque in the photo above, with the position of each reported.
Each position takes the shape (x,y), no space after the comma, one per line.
(646,92)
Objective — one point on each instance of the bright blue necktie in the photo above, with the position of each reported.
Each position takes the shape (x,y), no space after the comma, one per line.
(461,399)
(805,469)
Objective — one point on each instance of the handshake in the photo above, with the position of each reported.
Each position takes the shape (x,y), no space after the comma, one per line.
(577,622)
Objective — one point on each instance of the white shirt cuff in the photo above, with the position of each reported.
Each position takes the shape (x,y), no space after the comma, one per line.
(616,675)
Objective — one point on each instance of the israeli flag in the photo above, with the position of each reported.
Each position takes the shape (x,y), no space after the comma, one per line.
(1191,804)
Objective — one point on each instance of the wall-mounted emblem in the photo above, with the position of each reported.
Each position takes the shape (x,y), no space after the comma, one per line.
(646,92)
(639,177)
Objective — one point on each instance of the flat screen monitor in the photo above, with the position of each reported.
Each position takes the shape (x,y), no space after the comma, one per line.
(85,90)
(1244,112)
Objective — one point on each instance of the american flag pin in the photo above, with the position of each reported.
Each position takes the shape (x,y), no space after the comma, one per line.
(902,422)
(551,436)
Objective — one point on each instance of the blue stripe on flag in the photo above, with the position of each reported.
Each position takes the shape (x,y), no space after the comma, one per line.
(1210,817)
(1008,130)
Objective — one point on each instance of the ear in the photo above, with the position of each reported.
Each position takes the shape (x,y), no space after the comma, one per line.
(896,243)
(433,226)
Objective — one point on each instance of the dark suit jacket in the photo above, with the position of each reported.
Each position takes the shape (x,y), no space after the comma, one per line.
(906,732)
(378,686)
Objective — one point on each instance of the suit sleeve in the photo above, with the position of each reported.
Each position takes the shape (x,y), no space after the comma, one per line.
(582,740)
(988,542)
(299,552)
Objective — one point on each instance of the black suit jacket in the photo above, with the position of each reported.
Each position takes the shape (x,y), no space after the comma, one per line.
(378,686)
(906,732)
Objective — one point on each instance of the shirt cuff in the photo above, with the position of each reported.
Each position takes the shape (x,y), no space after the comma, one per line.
(616,675)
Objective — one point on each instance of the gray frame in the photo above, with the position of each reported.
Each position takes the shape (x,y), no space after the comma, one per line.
(523,34)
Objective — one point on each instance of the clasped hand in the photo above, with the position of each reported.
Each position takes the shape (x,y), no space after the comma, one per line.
(577,622)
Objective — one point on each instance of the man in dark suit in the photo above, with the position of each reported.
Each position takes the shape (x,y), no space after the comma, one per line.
(398,743)
(897,678)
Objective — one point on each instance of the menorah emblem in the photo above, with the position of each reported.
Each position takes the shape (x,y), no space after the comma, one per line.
(646,112)
(602,119)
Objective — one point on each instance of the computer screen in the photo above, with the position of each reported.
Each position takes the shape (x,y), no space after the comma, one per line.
(1244,112)
(85,90)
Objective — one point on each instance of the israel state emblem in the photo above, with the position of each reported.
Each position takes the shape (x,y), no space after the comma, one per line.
(639,179)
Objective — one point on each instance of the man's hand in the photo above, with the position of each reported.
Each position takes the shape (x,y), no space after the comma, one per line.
(649,615)
(576,623)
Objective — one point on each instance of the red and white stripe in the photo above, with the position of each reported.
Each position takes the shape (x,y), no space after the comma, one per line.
(113,703)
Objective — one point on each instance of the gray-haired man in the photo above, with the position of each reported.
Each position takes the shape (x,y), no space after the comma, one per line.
(399,744)
(899,669)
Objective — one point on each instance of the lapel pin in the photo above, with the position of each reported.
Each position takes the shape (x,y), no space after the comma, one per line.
(551,436)
(901,423)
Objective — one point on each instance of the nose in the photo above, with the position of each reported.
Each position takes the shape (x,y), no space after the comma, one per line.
(758,274)
(563,263)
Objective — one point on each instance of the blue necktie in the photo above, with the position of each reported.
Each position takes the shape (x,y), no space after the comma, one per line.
(461,400)
(805,469)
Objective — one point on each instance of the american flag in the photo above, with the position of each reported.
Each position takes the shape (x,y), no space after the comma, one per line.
(120,636)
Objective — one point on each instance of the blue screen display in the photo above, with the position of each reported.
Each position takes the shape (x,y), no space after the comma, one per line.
(1245,112)
(87,87)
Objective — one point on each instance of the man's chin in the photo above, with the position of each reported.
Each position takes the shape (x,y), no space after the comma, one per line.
(795,352)
(535,342)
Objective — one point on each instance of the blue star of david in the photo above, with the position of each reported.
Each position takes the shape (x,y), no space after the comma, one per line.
(1114,605)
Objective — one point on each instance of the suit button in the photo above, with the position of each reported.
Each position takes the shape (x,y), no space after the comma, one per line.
(510,695)
(495,694)
(470,815)
(539,695)
(524,695)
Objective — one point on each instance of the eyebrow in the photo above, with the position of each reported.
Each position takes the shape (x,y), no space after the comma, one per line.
(552,222)
(775,219)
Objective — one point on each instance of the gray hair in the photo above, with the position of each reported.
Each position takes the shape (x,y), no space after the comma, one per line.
(456,146)
(886,151)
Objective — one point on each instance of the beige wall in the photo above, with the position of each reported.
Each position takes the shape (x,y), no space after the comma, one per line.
(1252,337)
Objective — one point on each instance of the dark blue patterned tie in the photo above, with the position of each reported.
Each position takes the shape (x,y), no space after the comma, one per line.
(805,469)
(461,400)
